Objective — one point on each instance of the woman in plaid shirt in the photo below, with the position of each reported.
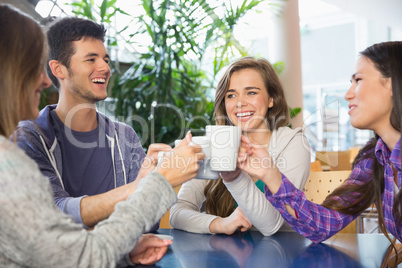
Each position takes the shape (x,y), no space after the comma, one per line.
(374,103)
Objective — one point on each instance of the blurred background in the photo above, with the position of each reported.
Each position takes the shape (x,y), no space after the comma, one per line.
(168,56)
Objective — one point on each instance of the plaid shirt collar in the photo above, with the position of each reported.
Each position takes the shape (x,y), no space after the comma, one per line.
(384,155)
(396,156)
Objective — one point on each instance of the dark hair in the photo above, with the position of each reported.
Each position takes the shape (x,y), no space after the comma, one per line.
(219,201)
(387,58)
(61,35)
(23,57)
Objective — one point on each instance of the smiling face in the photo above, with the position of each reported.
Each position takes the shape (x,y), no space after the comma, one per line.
(369,97)
(89,72)
(247,100)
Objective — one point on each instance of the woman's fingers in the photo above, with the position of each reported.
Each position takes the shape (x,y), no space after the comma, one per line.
(186,141)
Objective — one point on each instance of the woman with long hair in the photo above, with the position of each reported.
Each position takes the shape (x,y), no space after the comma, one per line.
(375,104)
(34,232)
(251,96)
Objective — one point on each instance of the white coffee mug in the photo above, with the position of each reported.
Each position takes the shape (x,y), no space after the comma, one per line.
(204,172)
(225,143)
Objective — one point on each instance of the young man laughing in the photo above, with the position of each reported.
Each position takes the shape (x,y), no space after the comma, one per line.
(92,162)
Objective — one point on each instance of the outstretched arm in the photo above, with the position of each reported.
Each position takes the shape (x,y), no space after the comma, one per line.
(258,163)
(309,219)
(99,207)
(255,206)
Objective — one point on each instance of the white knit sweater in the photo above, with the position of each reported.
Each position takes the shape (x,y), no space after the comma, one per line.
(35,233)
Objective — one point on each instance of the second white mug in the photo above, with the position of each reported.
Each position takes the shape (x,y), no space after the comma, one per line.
(225,143)
(204,172)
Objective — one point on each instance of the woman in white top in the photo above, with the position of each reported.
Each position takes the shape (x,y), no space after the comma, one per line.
(249,95)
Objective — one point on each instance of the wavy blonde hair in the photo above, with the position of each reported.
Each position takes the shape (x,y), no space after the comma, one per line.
(22,57)
(219,201)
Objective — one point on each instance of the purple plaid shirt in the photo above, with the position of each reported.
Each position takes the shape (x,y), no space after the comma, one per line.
(319,223)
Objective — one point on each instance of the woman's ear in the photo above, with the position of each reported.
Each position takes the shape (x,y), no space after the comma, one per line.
(58,69)
(271,102)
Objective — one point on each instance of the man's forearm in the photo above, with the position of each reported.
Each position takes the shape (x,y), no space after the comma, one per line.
(99,207)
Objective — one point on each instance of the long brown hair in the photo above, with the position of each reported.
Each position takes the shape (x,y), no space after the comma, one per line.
(219,201)
(387,58)
(22,46)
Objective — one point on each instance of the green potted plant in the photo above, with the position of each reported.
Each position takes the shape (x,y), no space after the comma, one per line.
(165,91)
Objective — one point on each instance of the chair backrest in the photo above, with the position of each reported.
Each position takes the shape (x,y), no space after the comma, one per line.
(315,166)
(320,156)
(336,160)
(320,184)
(353,153)
(339,160)
(164,222)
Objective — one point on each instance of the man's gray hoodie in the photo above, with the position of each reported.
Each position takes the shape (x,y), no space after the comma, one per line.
(38,139)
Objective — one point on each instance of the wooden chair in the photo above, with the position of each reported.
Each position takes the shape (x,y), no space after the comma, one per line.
(320,184)
(164,223)
(315,166)
(353,153)
(336,160)
(320,156)
(339,160)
